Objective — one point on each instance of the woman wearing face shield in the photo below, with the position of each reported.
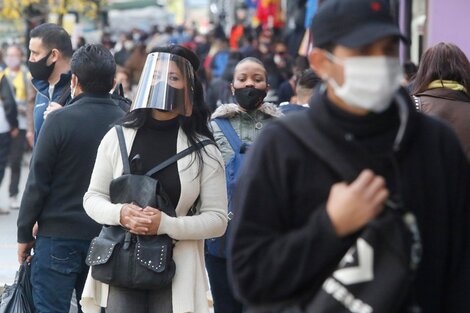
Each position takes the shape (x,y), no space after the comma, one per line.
(246,118)
(168,116)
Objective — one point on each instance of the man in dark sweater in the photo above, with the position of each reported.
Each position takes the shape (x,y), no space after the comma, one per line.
(60,172)
(297,217)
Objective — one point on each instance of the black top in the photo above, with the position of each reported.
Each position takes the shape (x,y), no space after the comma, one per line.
(282,225)
(155,142)
(375,135)
(61,167)
(7,99)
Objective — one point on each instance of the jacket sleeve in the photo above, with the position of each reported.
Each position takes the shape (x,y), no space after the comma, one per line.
(96,200)
(271,261)
(212,218)
(38,185)
(9,102)
(458,181)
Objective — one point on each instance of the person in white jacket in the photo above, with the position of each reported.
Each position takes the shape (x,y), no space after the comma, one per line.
(168,116)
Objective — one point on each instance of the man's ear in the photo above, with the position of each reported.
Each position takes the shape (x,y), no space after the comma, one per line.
(73,80)
(114,85)
(319,63)
(55,55)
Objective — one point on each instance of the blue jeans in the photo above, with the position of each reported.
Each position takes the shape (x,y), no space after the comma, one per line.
(57,268)
(222,294)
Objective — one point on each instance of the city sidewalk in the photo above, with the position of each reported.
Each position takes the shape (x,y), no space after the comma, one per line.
(8,260)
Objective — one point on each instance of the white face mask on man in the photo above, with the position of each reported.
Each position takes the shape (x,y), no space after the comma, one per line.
(370,82)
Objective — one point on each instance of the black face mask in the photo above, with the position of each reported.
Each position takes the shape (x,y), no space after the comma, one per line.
(39,69)
(174,95)
(250,98)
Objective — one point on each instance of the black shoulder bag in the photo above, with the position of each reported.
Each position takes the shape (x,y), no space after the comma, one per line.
(376,273)
(120,258)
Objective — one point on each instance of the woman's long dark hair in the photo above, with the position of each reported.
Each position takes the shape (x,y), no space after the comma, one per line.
(444,61)
(193,126)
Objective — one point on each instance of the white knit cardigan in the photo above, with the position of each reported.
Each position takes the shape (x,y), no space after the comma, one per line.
(189,285)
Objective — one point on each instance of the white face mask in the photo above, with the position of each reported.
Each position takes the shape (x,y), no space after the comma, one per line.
(369,82)
(12,62)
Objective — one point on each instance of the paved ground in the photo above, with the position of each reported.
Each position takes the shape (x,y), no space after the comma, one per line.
(8,260)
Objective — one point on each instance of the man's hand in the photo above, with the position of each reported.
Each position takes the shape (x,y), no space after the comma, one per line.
(30,138)
(14,132)
(24,251)
(51,107)
(35,229)
(352,206)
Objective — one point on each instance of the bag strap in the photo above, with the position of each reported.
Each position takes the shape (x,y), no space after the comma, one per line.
(164,164)
(229,133)
(123,149)
(317,142)
(178,156)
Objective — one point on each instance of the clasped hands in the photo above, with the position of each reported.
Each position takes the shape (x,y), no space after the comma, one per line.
(140,221)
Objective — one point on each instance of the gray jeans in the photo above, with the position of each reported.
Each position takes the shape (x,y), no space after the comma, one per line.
(124,300)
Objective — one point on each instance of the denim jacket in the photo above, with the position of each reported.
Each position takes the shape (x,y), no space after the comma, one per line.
(42,98)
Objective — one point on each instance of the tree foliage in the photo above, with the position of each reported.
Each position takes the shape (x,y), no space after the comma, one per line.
(15,9)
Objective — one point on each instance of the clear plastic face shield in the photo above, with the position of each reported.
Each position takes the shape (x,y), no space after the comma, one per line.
(166,84)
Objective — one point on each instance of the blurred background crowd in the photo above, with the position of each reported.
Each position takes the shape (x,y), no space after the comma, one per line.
(221,32)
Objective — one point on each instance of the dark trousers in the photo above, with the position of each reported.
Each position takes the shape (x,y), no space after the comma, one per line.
(5,141)
(57,268)
(222,294)
(125,300)
(16,157)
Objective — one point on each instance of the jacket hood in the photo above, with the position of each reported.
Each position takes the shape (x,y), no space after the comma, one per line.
(231,109)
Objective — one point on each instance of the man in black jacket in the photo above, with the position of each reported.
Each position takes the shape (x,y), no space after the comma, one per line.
(60,172)
(297,217)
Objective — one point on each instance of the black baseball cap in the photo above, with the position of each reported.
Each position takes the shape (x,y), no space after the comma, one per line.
(353,23)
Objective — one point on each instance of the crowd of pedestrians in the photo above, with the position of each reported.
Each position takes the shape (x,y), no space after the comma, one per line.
(258,215)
